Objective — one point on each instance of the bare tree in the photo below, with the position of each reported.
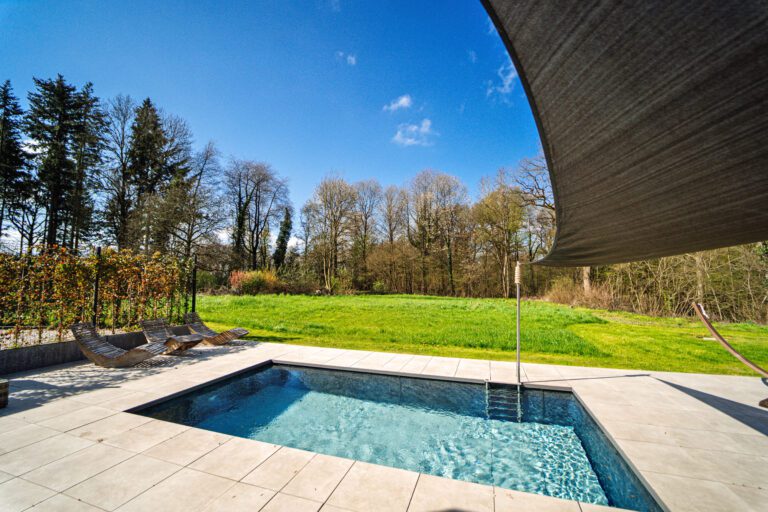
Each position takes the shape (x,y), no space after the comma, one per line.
(331,211)
(392,212)
(451,204)
(258,197)
(498,219)
(368,197)
(192,207)
(421,223)
(533,180)
(115,178)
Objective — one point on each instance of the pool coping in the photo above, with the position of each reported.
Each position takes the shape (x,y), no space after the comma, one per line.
(320,366)
(592,387)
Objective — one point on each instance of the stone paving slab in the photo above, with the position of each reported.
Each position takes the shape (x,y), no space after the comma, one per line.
(123,482)
(279,469)
(699,442)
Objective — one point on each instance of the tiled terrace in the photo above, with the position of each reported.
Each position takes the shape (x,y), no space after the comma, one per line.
(699,441)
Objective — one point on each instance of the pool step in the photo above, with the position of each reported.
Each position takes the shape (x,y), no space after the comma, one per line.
(503,402)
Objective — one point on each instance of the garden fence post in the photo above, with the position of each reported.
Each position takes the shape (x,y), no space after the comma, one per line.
(194,282)
(95,312)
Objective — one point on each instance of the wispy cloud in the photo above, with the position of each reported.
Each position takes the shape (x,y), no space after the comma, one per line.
(420,134)
(349,58)
(403,102)
(505,84)
(472,55)
(491,29)
(335,5)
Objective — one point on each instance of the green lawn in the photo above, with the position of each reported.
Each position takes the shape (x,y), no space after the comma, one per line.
(485,328)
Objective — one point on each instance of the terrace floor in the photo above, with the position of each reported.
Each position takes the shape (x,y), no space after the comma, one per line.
(699,442)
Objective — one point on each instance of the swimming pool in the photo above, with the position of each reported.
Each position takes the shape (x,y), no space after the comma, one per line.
(534,441)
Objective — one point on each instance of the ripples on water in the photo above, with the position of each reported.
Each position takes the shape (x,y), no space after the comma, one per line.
(441,428)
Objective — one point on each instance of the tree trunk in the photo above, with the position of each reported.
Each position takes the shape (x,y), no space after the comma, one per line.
(699,263)
(586,280)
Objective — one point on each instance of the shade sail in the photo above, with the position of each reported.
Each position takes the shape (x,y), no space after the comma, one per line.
(653,117)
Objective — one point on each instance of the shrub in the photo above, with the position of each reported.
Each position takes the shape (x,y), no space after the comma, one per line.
(206,281)
(565,291)
(379,287)
(254,282)
(54,288)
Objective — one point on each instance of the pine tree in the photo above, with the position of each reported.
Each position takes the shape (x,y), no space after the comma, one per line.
(13,158)
(146,158)
(66,127)
(281,245)
(51,122)
(159,155)
(88,144)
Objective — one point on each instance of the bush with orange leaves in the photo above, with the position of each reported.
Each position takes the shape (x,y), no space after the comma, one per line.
(53,289)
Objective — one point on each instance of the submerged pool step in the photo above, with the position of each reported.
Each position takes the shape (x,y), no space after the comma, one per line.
(503,402)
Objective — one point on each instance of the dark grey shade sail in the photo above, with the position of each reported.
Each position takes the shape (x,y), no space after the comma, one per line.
(653,117)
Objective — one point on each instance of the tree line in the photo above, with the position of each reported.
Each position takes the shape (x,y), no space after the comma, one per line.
(76,171)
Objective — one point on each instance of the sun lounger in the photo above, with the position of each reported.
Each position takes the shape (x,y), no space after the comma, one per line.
(195,324)
(158,331)
(103,353)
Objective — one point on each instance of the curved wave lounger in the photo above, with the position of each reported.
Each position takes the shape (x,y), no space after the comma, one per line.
(195,324)
(158,332)
(103,353)
(699,309)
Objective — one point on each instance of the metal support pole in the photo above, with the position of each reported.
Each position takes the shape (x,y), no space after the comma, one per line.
(194,283)
(95,312)
(517,286)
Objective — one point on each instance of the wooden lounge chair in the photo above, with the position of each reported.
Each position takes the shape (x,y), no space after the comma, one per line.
(103,353)
(195,324)
(158,331)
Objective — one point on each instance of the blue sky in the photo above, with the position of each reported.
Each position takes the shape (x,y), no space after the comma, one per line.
(301,85)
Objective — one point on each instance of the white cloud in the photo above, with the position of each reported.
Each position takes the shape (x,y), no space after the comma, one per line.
(349,58)
(296,242)
(472,56)
(403,102)
(491,27)
(506,83)
(414,134)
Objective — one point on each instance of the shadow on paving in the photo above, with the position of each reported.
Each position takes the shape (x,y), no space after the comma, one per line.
(750,416)
(37,387)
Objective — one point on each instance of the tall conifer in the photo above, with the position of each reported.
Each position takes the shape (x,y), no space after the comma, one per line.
(13,158)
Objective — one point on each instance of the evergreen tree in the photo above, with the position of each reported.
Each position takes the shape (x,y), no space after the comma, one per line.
(158,156)
(146,155)
(13,158)
(66,127)
(281,245)
(51,122)
(88,144)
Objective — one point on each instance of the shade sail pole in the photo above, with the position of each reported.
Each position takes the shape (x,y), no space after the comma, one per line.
(518,273)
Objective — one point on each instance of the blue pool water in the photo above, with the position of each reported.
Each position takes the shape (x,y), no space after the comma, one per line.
(536,441)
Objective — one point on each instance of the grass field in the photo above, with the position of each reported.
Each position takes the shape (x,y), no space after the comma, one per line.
(484,328)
